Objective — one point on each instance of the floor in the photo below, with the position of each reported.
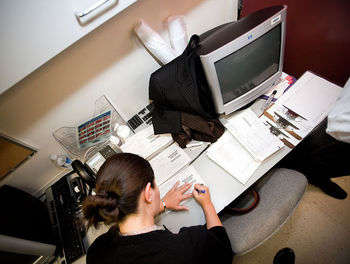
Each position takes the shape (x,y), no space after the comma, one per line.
(318,231)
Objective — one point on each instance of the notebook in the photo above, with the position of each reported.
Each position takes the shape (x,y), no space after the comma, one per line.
(253,135)
(229,154)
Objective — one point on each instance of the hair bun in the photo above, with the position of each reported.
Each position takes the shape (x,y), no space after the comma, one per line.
(100,207)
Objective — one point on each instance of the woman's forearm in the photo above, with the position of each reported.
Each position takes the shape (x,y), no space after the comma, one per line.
(211,216)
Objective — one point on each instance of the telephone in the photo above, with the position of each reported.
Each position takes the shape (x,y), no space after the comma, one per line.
(85,173)
(89,170)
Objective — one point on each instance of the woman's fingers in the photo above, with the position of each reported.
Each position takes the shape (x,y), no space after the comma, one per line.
(187,196)
(184,188)
(200,187)
(182,208)
(175,186)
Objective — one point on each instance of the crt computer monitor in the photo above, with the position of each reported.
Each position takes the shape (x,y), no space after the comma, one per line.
(243,59)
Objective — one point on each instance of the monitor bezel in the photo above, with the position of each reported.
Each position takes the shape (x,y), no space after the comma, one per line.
(208,62)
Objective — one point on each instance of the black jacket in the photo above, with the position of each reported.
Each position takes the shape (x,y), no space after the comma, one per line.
(180,86)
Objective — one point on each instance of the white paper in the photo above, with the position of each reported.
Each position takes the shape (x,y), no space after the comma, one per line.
(154,43)
(144,143)
(187,175)
(168,162)
(254,136)
(312,97)
(229,154)
(305,125)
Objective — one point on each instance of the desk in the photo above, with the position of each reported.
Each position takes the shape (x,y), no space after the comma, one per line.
(224,189)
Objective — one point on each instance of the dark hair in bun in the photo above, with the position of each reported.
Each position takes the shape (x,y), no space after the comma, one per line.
(119,183)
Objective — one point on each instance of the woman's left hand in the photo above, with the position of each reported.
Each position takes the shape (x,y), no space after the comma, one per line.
(175,196)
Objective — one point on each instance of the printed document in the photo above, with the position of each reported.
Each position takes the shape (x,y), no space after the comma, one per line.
(186,175)
(229,154)
(254,136)
(145,143)
(312,96)
(168,162)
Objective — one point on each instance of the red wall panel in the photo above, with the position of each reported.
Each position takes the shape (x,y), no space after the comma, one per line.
(318,36)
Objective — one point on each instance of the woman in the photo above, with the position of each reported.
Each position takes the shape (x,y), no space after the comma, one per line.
(128,199)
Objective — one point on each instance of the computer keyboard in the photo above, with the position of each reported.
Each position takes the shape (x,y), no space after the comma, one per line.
(142,119)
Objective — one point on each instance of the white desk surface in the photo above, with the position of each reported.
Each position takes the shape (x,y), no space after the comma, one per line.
(223,188)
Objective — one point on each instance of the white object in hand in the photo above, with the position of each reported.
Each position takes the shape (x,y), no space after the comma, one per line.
(154,42)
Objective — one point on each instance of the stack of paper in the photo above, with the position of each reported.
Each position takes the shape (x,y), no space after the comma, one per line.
(228,153)
(168,162)
(145,144)
(312,96)
(253,135)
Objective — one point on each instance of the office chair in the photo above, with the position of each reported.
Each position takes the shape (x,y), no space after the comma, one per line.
(280,192)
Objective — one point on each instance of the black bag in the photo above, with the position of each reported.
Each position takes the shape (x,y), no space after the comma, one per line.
(180,86)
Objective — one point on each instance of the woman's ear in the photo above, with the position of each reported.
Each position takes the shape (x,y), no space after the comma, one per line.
(148,193)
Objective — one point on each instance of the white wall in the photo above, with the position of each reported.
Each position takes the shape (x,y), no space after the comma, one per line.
(109,61)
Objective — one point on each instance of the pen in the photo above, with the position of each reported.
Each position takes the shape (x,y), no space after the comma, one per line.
(200,191)
(268,102)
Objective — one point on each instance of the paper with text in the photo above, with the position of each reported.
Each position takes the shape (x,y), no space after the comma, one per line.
(187,175)
(254,136)
(168,162)
(229,154)
(144,143)
(312,96)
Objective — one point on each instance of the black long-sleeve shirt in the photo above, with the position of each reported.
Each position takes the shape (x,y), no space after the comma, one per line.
(195,244)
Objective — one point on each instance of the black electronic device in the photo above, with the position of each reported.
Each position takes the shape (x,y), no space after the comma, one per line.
(142,119)
(84,172)
(64,200)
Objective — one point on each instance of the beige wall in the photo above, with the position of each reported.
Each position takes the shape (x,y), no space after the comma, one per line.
(109,61)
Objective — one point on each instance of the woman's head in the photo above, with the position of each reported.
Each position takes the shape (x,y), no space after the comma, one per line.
(124,184)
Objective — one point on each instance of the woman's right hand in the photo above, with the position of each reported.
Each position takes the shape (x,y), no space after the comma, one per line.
(202,195)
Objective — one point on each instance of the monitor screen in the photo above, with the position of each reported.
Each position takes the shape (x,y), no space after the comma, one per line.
(249,66)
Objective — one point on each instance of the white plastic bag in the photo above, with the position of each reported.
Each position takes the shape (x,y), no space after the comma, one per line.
(154,42)
(177,33)
(339,117)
